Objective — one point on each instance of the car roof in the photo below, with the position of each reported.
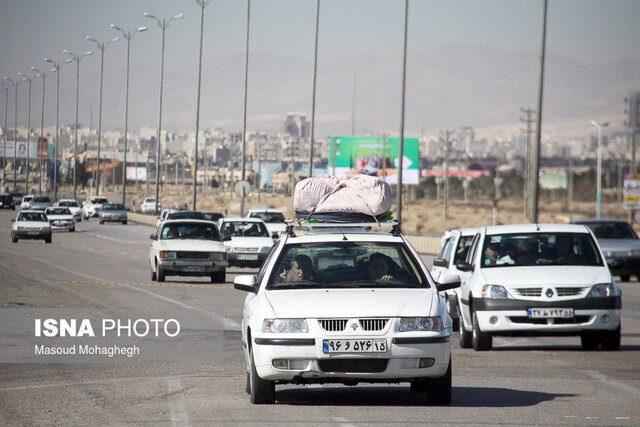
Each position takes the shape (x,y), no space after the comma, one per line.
(541,228)
(177,221)
(595,221)
(340,237)
(67,200)
(240,219)
(31,211)
(270,210)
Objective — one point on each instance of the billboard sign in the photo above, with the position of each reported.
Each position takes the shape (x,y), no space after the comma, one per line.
(371,155)
(136,173)
(22,149)
(553,180)
(631,192)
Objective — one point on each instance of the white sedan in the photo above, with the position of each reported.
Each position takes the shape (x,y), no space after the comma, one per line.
(537,279)
(60,218)
(345,307)
(273,218)
(149,205)
(73,206)
(92,206)
(31,225)
(187,248)
(247,241)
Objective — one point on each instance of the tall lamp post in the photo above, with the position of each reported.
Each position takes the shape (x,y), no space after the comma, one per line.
(163,24)
(128,35)
(28,79)
(599,168)
(56,69)
(102,46)
(313,97)
(4,132)
(44,78)
(15,130)
(244,114)
(202,4)
(76,58)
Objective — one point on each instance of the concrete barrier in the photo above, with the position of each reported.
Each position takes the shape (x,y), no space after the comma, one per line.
(425,244)
(142,218)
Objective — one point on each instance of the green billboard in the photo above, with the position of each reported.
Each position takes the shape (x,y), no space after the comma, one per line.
(373,155)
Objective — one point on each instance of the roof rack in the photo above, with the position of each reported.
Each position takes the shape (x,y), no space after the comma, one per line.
(340,226)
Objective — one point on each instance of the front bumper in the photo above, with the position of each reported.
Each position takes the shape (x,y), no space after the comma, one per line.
(195,267)
(104,218)
(510,316)
(308,363)
(32,234)
(66,226)
(246,259)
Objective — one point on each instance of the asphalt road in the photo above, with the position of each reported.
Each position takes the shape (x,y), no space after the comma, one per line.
(104,268)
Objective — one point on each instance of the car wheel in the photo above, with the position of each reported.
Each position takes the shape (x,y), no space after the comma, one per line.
(161,275)
(465,336)
(14,239)
(262,391)
(419,385)
(247,386)
(48,239)
(124,222)
(219,276)
(625,278)
(480,341)
(439,389)
(72,229)
(100,221)
(452,308)
(153,276)
(589,341)
(610,340)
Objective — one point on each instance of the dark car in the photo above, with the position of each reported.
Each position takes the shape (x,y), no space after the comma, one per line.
(619,243)
(212,216)
(17,198)
(185,215)
(6,202)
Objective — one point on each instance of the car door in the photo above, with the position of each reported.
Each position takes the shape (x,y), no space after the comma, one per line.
(466,280)
(444,254)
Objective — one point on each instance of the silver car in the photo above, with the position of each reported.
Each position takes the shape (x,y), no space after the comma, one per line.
(40,203)
(113,212)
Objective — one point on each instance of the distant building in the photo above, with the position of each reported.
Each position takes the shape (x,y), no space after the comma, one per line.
(295,125)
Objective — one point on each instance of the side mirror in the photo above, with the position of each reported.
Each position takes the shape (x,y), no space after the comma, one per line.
(152,236)
(448,281)
(440,262)
(464,266)
(245,282)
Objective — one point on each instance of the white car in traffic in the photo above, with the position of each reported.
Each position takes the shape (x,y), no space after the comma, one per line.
(187,248)
(345,306)
(60,218)
(537,279)
(73,206)
(92,206)
(247,241)
(26,201)
(273,218)
(31,225)
(149,205)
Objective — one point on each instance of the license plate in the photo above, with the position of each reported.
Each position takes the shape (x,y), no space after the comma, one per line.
(550,313)
(33,233)
(192,269)
(246,257)
(377,345)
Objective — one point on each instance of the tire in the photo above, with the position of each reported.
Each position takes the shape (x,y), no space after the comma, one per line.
(124,222)
(589,341)
(153,276)
(219,276)
(419,385)
(262,391)
(71,230)
(439,389)
(14,239)
(161,275)
(610,340)
(481,341)
(48,239)
(247,386)
(453,311)
(465,336)
(625,278)
(100,221)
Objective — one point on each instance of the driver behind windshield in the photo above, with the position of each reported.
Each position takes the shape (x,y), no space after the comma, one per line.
(300,270)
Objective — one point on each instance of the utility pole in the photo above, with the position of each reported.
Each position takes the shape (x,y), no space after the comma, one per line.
(634,111)
(384,157)
(313,96)
(293,176)
(447,149)
(4,132)
(402,106)
(244,114)
(527,176)
(259,178)
(570,184)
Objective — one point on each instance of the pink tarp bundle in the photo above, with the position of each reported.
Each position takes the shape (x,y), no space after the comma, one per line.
(363,194)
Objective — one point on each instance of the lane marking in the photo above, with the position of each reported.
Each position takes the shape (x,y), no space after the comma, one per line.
(177,285)
(613,383)
(177,413)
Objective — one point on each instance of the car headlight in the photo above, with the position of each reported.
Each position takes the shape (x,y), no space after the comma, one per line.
(604,290)
(494,291)
(217,255)
(409,324)
(285,325)
(167,254)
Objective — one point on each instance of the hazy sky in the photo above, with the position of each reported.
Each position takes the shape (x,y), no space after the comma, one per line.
(590,31)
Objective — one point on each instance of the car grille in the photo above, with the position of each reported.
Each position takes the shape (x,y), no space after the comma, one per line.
(373,324)
(569,321)
(333,325)
(529,292)
(568,292)
(192,255)
(353,365)
(246,249)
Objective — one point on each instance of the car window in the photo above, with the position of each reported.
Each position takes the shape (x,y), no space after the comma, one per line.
(69,204)
(462,248)
(58,211)
(186,215)
(611,230)
(444,246)
(266,263)
(32,216)
(538,248)
(269,217)
(446,255)
(347,264)
(113,207)
(243,229)
(471,255)
(190,230)
(41,199)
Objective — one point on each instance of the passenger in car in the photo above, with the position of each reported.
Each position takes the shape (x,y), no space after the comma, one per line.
(508,254)
(379,267)
(490,254)
(300,270)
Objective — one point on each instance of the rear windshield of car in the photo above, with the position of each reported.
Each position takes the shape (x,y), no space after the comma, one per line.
(189,230)
(27,198)
(243,229)
(185,215)
(32,216)
(611,230)
(530,249)
(70,204)
(212,216)
(99,201)
(269,217)
(113,207)
(347,265)
(41,199)
(58,211)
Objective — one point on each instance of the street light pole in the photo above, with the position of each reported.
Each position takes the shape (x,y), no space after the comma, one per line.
(56,69)
(202,4)
(44,78)
(244,114)
(128,35)
(28,79)
(599,168)
(313,97)
(15,132)
(102,46)
(76,59)
(163,25)
(4,132)
(401,138)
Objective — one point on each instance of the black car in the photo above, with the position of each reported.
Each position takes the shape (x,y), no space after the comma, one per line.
(212,216)
(619,243)
(17,198)
(6,202)
(185,215)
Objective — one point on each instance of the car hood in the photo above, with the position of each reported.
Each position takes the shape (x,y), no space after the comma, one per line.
(249,242)
(191,245)
(31,224)
(56,217)
(324,303)
(618,245)
(103,212)
(545,275)
(276,227)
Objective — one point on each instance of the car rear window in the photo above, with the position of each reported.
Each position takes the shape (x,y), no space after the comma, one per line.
(611,230)
(269,217)
(33,216)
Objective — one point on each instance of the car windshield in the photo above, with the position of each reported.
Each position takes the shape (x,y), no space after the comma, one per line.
(212,216)
(190,230)
(243,229)
(113,207)
(71,204)
(32,216)
(58,211)
(27,198)
(99,201)
(149,201)
(41,199)
(611,230)
(185,215)
(528,249)
(346,264)
(269,217)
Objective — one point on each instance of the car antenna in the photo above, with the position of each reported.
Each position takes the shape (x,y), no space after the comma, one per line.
(344,236)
